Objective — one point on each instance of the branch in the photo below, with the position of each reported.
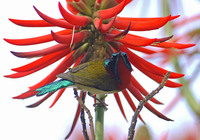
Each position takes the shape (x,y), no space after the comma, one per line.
(88,112)
(141,104)
(83,117)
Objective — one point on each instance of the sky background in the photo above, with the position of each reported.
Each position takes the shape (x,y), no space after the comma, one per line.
(19,122)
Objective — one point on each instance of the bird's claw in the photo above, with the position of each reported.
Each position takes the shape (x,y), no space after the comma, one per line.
(101,103)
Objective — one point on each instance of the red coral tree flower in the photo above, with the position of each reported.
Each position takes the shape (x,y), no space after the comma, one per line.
(93,30)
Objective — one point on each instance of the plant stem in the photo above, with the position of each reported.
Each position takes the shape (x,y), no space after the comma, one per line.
(99,118)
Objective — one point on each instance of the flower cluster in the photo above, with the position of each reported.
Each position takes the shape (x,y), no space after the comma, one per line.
(93,30)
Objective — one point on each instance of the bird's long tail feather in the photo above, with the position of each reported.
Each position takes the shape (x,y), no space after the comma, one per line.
(54,86)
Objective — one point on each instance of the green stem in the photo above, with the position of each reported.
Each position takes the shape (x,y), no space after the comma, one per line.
(168,29)
(185,90)
(99,119)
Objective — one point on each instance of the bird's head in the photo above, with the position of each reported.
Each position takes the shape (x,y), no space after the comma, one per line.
(118,64)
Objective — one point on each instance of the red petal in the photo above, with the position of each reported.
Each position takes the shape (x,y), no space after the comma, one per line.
(141,63)
(67,39)
(127,2)
(98,23)
(66,63)
(33,68)
(136,40)
(30,23)
(117,35)
(27,94)
(137,85)
(43,52)
(36,40)
(111,12)
(160,40)
(174,17)
(40,101)
(72,9)
(106,27)
(55,22)
(120,104)
(42,62)
(57,97)
(140,49)
(139,97)
(74,19)
(145,19)
(132,105)
(21,74)
(173,45)
(142,25)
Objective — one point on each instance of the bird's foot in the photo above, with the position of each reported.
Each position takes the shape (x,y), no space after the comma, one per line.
(100,102)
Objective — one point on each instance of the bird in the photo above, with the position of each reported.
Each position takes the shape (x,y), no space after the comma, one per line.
(101,76)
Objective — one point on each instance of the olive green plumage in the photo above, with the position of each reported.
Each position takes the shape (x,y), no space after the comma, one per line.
(91,76)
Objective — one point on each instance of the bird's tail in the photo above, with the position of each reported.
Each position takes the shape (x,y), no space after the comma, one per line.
(54,86)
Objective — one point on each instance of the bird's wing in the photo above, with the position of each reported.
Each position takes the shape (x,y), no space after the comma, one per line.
(72,74)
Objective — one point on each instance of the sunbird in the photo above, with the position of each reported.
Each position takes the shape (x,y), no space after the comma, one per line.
(100,76)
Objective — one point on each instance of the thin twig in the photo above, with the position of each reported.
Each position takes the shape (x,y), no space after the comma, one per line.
(82,116)
(141,104)
(88,112)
